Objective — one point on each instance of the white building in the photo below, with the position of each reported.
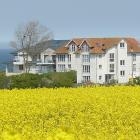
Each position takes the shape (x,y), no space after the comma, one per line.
(43,62)
(97,60)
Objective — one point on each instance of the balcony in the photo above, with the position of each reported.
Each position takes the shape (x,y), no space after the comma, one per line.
(46,62)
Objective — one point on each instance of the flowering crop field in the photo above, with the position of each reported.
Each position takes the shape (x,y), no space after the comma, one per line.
(70,113)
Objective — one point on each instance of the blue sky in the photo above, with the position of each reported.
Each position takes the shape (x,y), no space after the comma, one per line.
(73,18)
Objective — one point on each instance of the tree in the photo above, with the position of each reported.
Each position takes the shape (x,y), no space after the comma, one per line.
(28,40)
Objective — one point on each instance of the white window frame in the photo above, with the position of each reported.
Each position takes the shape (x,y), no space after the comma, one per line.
(122,73)
(122,45)
(86,78)
(85,48)
(134,57)
(111,57)
(61,58)
(72,48)
(86,58)
(122,62)
(111,68)
(86,68)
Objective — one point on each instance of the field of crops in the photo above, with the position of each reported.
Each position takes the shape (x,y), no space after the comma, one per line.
(70,114)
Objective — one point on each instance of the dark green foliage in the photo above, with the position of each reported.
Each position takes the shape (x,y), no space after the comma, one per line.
(59,79)
(3,81)
(113,82)
(25,81)
(136,81)
(54,79)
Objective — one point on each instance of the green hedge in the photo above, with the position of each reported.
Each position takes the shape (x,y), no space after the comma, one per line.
(59,79)
(54,79)
(25,81)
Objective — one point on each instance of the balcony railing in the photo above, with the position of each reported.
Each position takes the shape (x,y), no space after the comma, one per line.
(36,61)
(49,61)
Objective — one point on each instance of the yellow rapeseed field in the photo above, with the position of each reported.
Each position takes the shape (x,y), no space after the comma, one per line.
(91,113)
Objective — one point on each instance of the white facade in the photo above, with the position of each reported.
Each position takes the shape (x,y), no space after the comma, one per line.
(115,63)
(43,63)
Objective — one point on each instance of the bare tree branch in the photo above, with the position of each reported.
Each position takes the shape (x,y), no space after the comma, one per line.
(27,38)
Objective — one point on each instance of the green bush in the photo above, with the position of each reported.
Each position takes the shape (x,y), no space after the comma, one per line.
(136,81)
(25,81)
(3,81)
(54,79)
(59,79)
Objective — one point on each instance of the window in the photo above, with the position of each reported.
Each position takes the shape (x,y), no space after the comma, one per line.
(122,45)
(134,68)
(72,48)
(100,66)
(20,67)
(85,48)
(122,73)
(111,57)
(69,66)
(134,57)
(122,62)
(61,58)
(86,58)
(86,68)
(61,68)
(86,78)
(100,77)
(69,57)
(111,68)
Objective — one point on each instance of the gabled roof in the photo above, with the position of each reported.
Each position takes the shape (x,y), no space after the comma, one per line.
(53,44)
(100,45)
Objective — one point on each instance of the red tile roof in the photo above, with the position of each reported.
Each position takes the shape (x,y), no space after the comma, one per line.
(99,45)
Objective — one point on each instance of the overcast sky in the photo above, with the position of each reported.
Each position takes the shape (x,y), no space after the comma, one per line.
(73,18)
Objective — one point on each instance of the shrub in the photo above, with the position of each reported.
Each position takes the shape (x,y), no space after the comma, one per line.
(136,81)
(53,79)
(113,82)
(25,81)
(3,80)
(59,79)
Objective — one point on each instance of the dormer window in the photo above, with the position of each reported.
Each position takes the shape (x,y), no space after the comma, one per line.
(122,45)
(73,48)
(84,47)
